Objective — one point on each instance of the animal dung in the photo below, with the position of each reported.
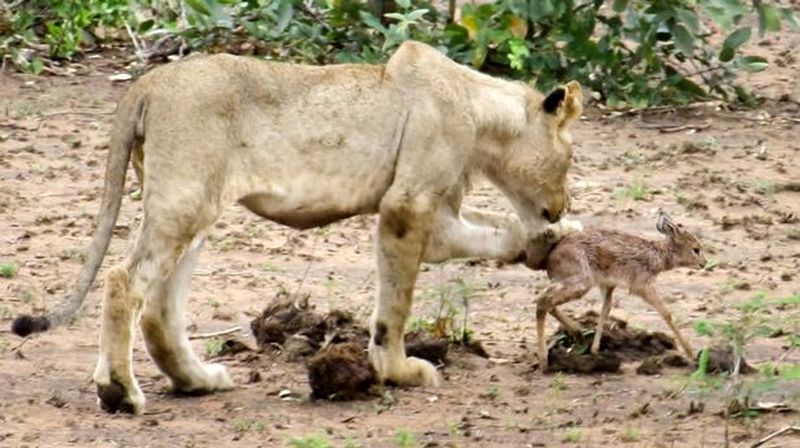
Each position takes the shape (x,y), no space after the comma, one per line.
(340,372)
(563,360)
(335,346)
(619,344)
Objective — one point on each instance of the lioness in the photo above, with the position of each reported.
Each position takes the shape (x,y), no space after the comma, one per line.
(305,146)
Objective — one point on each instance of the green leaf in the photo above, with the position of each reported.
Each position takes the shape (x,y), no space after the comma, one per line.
(36,66)
(199,6)
(684,41)
(734,40)
(719,16)
(416,14)
(769,19)
(395,15)
(405,4)
(540,9)
(146,25)
(285,14)
(790,17)
(791,373)
(753,64)
(689,18)
(689,86)
(372,21)
(726,54)
(620,5)
(737,38)
(702,365)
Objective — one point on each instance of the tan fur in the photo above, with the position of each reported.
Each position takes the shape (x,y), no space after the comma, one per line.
(609,259)
(305,146)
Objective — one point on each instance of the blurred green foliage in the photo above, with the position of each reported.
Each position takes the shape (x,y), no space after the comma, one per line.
(629,52)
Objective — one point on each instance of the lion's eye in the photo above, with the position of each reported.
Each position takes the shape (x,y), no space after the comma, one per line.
(696,251)
(546,215)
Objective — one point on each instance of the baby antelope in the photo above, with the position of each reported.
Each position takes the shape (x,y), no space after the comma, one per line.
(608,259)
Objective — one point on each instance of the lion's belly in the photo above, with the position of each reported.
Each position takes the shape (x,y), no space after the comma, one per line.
(310,198)
(299,217)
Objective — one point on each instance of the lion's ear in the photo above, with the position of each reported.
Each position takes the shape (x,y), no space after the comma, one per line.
(565,102)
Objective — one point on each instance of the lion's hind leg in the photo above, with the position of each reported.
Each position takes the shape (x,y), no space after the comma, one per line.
(117,389)
(164,328)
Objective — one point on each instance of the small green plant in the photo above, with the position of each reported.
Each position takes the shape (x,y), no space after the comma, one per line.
(404,438)
(73,254)
(8,270)
(454,428)
(764,187)
(27,296)
(270,267)
(214,347)
(573,435)
(241,424)
(492,392)
(137,194)
(350,442)
(227,245)
(386,402)
(681,198)
(636,191)
(259,426)
(213,303)
(443,323)
(630,434)
(711,264)
(756,317)
(559,383)
(753,320)
(318,441)
(733,284)
(701,372)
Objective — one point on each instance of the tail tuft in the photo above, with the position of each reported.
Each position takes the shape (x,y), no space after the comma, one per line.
(26,324)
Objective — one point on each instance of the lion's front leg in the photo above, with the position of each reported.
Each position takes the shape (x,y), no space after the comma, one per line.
(403,229)
(473,233)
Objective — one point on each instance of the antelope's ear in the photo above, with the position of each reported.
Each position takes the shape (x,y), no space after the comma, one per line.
(565,102)
(665,225)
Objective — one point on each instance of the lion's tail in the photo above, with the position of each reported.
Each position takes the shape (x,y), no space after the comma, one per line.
(128,127)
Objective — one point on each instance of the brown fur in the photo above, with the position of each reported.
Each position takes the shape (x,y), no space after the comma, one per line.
(609,259)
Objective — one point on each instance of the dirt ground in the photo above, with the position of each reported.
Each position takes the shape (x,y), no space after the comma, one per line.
(730,175)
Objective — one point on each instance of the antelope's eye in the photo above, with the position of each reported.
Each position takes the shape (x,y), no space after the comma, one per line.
(696,250)
(546,215)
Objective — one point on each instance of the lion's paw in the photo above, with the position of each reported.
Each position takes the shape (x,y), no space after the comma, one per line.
(563,228)
(220,378)
(409,371)
(113,397)
(421,373)
(210,378)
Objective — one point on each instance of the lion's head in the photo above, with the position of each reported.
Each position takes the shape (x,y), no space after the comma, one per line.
(530,164)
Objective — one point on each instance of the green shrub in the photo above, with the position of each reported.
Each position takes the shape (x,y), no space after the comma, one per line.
(627,52)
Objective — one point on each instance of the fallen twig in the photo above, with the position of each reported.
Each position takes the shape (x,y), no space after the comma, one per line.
(215,333)
(140,51)
(158,411)
(777,433)
(672,127)
(19,346)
